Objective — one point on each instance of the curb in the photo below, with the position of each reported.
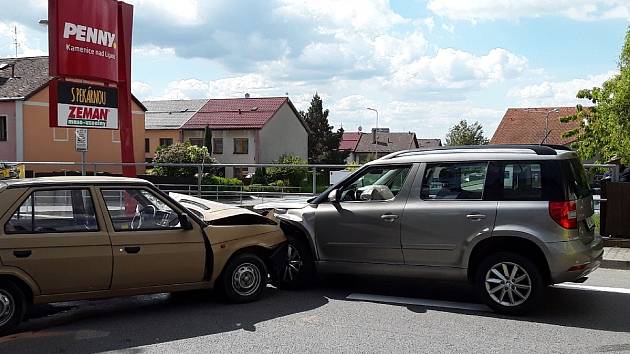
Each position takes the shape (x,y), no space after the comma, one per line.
(613,264)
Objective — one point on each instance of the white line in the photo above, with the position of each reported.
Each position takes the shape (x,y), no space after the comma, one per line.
(593,288)
(421,302)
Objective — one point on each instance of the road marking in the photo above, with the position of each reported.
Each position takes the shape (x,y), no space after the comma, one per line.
(420,302)
(593,288)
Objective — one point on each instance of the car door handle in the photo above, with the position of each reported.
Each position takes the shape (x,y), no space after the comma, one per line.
(476,217)
(132,249)
(22,253)
(389,217)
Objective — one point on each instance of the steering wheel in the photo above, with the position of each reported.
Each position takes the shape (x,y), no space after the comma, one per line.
(140,217)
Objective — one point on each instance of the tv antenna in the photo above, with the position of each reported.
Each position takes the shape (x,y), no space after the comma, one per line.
(15,41)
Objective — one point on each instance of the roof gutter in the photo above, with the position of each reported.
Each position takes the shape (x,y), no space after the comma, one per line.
(11,98)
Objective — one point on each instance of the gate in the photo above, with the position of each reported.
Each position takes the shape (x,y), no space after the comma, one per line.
(615,211)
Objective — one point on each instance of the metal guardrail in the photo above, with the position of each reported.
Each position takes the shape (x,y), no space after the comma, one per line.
(83,166)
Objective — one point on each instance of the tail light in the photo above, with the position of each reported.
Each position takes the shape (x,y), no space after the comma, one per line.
(564,213)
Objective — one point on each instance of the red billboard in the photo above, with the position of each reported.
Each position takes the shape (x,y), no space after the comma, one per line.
(83,39)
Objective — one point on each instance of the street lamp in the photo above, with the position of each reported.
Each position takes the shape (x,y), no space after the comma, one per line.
(375,140)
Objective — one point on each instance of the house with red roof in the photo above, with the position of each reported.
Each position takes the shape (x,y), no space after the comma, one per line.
(249,131)
(535,126)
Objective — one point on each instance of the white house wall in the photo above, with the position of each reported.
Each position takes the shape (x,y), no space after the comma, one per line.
(228,155)
(283,134)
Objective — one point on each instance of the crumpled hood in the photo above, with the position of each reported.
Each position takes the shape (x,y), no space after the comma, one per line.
(281,205)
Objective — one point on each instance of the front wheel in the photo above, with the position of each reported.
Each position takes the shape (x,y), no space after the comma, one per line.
(509,283)
(295,268)
(244,278)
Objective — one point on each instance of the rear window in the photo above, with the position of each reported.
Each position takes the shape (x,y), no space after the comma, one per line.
(525,181)
(576,179)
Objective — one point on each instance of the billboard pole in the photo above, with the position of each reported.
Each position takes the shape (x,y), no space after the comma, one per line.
(125,23)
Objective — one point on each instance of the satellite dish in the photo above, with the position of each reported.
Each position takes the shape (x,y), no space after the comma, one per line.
(360,128)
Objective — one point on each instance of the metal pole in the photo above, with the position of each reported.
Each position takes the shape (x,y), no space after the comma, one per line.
(94,169)
(199,178)
(314,181)
(82,163)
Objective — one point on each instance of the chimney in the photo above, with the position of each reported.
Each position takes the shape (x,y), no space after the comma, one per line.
(246,94)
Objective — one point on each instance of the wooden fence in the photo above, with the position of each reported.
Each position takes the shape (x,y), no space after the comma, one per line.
(615,211)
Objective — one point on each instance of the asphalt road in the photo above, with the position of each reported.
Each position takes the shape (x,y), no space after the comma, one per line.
(400,316)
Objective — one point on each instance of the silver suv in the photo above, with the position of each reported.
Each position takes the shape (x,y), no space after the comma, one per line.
(511,219)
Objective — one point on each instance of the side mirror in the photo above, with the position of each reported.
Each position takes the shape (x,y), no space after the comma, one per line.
(184,221)
(332,196)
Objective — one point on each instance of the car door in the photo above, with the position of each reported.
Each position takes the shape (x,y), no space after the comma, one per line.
(149,246)
(58,237)
(364,224)
(445,212)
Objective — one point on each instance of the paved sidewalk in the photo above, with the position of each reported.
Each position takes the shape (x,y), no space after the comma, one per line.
(616,258)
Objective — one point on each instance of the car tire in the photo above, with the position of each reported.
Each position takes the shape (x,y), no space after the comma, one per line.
(244,278)
(509,283)
(12,306)
(296,268)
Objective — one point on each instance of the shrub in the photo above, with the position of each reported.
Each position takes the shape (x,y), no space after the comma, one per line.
(260,176)
(181,153)
(293,176)
(222,181)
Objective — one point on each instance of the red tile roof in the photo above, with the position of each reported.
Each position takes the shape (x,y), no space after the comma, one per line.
(527,126)
(349,141)
(236,113)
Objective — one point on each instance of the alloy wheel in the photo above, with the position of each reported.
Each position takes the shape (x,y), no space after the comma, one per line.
(293,264)
(508,284)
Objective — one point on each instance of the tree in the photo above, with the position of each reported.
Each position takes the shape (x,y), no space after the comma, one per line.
(603,130)
(323,143)
(464,134)
(181,153)
(207,139)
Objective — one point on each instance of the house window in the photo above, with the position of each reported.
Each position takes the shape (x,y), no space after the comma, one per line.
(147,145)
(241,145)
(196,141)
(3,128)
(166,141)
(217,145)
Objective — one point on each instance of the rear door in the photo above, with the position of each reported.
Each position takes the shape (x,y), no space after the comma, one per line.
(149,246)
(58,237)
(444,212)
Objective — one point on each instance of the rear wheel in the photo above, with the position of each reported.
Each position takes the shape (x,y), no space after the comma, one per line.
(244,278)
(296,269)
(509,283)
(12,306)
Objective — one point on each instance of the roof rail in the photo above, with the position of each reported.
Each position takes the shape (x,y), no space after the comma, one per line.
(537,149)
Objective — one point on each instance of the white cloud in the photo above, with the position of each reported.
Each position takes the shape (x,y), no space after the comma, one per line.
(151,50)
(455,69)
(480,10)
(141,89)
(254,84)
(332,15)
(558,93)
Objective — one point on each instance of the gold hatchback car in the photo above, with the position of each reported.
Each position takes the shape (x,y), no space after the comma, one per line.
(76,238)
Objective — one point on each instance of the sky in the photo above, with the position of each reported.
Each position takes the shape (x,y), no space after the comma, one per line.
(424,65)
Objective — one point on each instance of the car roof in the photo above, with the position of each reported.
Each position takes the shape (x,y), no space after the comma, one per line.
(68,180)
(479,153)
